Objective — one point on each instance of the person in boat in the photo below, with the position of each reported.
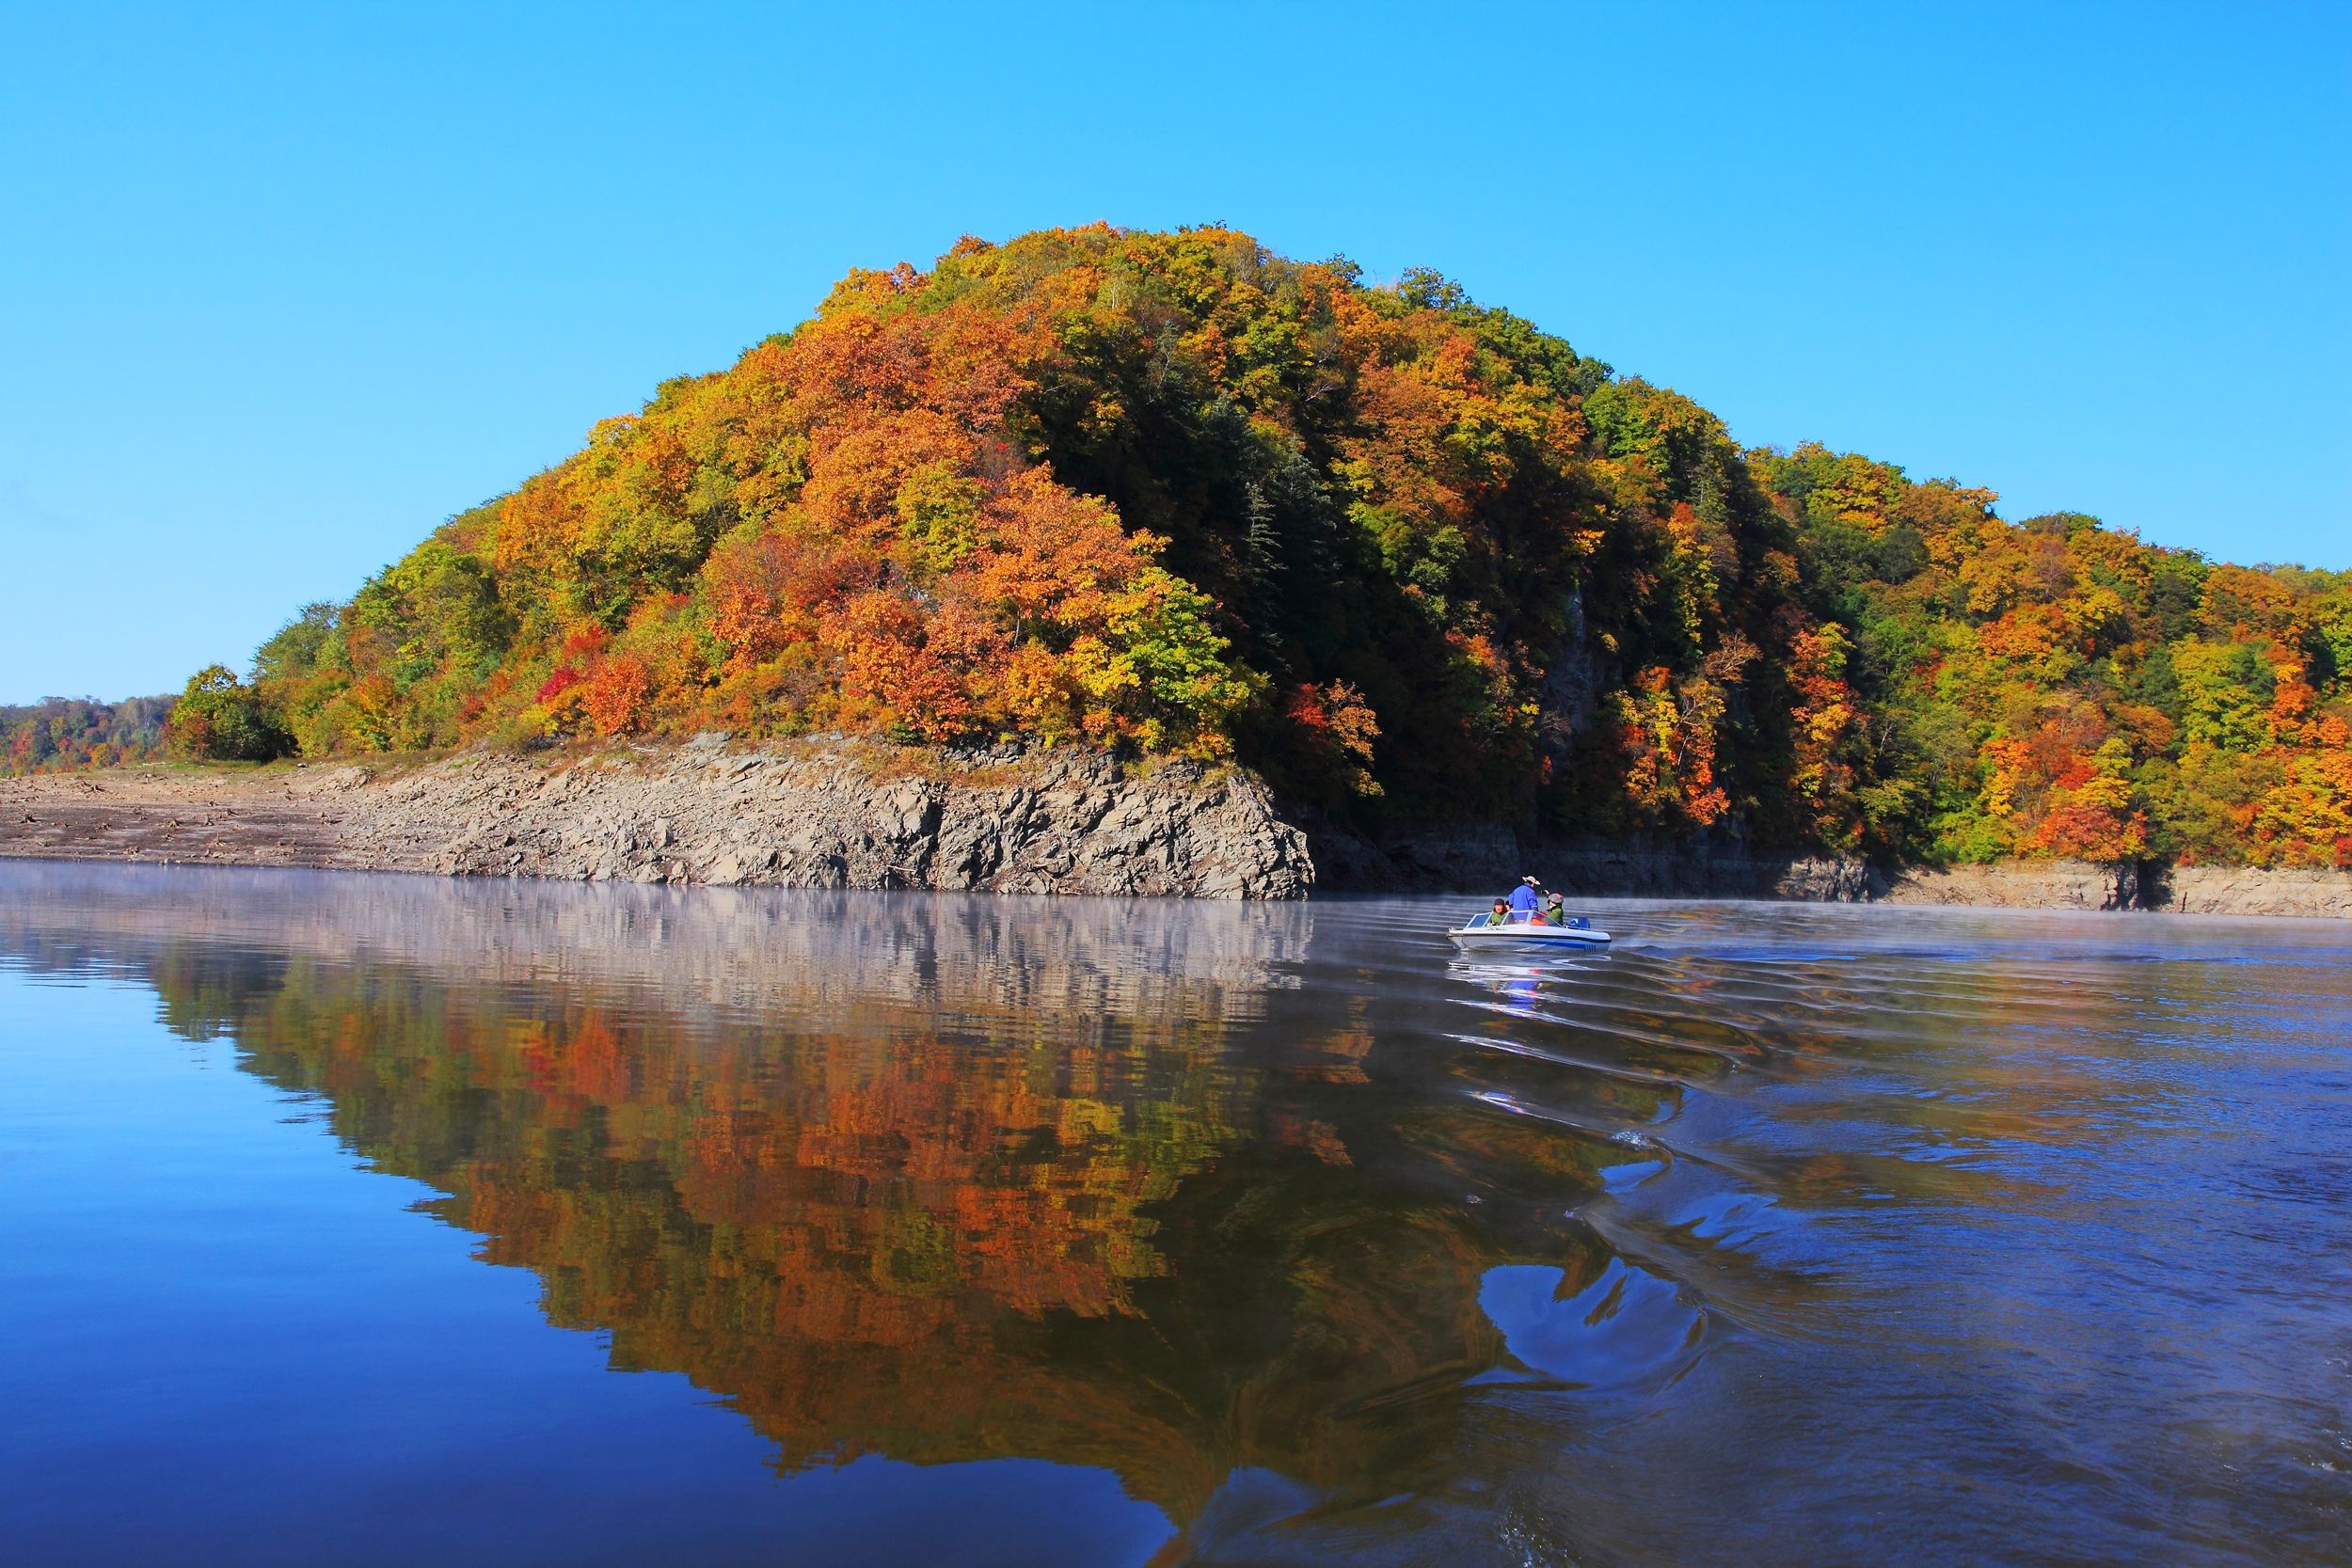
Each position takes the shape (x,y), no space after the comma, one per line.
(1555,910)
(1527,897)
(1502,913)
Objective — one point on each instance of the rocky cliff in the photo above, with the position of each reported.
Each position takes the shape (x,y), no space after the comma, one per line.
(825,815)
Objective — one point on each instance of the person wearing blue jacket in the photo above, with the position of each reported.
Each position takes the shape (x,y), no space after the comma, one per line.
(1525,899)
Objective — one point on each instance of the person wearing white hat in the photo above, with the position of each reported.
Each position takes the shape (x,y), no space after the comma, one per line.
(1525,899)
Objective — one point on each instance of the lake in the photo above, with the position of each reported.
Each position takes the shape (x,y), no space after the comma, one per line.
(376,1219)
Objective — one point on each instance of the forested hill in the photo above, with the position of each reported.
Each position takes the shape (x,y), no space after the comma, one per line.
(1408,556)
(66,734)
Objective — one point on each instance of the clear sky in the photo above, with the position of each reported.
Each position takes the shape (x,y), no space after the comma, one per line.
(282,288)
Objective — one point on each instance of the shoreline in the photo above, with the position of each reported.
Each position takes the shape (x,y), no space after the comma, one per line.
(836,814)
(1444,862)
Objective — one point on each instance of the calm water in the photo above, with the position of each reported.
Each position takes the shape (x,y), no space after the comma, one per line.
(396,1220)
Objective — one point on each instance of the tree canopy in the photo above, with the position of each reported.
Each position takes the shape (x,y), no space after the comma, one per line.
(1407,555)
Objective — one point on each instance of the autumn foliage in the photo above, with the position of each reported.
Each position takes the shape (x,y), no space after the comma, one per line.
(68,734)
(1406,555)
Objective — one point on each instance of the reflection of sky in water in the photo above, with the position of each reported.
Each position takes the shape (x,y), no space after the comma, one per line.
(1623,1326)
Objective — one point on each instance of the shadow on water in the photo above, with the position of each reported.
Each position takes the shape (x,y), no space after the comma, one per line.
(1329,1243)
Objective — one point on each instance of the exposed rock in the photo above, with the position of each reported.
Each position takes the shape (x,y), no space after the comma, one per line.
(2172,890)
(1571,686)
(2235,890)
(1827,880)
(828,815)
(2030,885)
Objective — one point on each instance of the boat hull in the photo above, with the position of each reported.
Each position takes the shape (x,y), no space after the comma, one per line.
(1523,936)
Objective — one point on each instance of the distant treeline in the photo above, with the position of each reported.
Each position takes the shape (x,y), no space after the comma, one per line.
(58,734)
(1408,556)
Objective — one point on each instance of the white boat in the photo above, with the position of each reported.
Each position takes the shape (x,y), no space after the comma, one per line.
(1520,932)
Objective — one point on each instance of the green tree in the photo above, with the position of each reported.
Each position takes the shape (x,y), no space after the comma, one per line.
(220,718)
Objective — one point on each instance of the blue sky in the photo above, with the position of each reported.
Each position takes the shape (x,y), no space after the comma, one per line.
(282,288)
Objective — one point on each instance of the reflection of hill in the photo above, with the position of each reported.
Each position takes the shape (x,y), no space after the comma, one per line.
(832,1229)
(945,1180)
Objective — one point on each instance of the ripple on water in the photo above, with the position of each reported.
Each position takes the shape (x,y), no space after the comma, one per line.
(1624,1328)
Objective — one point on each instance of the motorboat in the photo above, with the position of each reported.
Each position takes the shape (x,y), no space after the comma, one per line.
(1521,929)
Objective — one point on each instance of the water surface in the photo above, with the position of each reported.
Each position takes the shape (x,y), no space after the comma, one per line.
(378,1219)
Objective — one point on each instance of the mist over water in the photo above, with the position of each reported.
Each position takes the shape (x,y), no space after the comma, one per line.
(378,1219)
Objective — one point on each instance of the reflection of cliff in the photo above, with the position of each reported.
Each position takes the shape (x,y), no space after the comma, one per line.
(711,952)
(943,1180)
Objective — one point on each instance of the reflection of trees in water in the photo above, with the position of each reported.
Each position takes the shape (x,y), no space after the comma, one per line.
(874,1238)
(941,1178)
(1165,1188)
(851,1234)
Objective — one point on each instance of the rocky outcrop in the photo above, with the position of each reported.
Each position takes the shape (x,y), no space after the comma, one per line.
(823,815)
(2024,885)
(2237,890)
(2169,890)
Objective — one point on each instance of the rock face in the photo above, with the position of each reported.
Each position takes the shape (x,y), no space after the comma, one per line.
(2170,890)
(815,814)
(2233,890)
(2039,885)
